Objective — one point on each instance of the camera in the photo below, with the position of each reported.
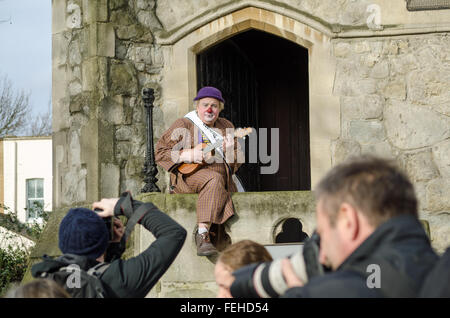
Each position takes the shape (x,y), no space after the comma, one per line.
(109,223)
(265,280)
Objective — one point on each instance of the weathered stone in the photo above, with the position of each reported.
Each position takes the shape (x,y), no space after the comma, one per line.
(110,180)
(341,49)
(362,107)
(441,155)
(73,186)
(437,195)
(134,166)
(122,18)
(380,70)
(117,4)
(149,20)
(113,110)
(430,86)
(420,189)
(369,60)
(366,132)
(361,47)
(410,127)
(395,89)
(403,64)
(142,4)
(77,103)
(420,166)
(381,149)
(123,79)
(124,133)
(123,151)
(342,149)
(60,45)
(101,40)
(74,53)
(75,88)
(140,54)
(128,32)
(95,11)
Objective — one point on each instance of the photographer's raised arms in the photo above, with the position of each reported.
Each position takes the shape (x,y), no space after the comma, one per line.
(84,240)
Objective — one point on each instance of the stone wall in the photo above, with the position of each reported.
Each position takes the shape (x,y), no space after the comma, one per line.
(395,102)
(378,83)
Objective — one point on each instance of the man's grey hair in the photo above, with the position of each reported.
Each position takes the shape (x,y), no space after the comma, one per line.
(375,186)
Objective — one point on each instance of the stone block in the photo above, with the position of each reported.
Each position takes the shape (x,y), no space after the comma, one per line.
(441,155)
(101,40)
(381,149)
(430,86)
(117,4)
(380,70)
(395,89)
(342,149)
(59,16)
(123,79)
(362,107)
(410,127)
(74,53)
(140,53)
(95,11)
(420,166)
(134,167)
(437,195)
(110,180)
(342,49)
(60,45)
(74,185)
(366,132)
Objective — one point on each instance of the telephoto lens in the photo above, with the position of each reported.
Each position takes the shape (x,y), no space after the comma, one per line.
(265,280)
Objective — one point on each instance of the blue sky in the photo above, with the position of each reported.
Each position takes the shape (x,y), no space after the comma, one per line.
(25,48)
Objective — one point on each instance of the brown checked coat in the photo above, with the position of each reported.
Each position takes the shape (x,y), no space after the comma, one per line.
(212,181)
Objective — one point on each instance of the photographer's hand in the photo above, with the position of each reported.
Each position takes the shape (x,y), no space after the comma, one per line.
(289,275)
(107,205)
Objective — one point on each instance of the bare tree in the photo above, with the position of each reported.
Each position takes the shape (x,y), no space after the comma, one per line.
(14,108)
(41,125)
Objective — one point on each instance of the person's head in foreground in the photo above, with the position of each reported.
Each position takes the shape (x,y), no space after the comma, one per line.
(353,199)
(39,288)
(234,257)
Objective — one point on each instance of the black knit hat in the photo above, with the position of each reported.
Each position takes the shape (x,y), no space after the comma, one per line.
(83,232)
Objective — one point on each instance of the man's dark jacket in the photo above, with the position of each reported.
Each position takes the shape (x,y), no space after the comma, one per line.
(136,276)
(401,249)
(437,283)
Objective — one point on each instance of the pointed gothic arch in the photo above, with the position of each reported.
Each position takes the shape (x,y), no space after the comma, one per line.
(179,84)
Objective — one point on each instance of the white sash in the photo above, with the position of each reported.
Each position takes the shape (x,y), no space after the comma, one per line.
(211,134)
(213,138)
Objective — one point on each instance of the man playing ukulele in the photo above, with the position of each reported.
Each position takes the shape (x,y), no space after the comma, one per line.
(183,144)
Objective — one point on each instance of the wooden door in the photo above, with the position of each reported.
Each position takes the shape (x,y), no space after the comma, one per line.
(264,80)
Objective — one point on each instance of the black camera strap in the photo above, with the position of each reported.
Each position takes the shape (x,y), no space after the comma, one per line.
(133,220)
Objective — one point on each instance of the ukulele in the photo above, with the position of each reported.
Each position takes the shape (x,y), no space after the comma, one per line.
(189,168)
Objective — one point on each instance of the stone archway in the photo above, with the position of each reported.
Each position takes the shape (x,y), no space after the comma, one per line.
(264,80)
(179,84)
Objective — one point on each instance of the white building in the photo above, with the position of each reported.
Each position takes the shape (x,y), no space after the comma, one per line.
(25,174)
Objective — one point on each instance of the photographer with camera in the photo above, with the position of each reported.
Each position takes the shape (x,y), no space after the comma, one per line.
(370,237)
(370,234)
(84,238)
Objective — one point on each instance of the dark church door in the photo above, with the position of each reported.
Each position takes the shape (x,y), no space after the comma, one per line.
(264,81)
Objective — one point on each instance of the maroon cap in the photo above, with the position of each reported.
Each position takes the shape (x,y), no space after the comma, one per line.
(209,91)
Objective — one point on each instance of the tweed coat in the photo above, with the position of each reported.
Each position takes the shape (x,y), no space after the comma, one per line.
(212,182)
